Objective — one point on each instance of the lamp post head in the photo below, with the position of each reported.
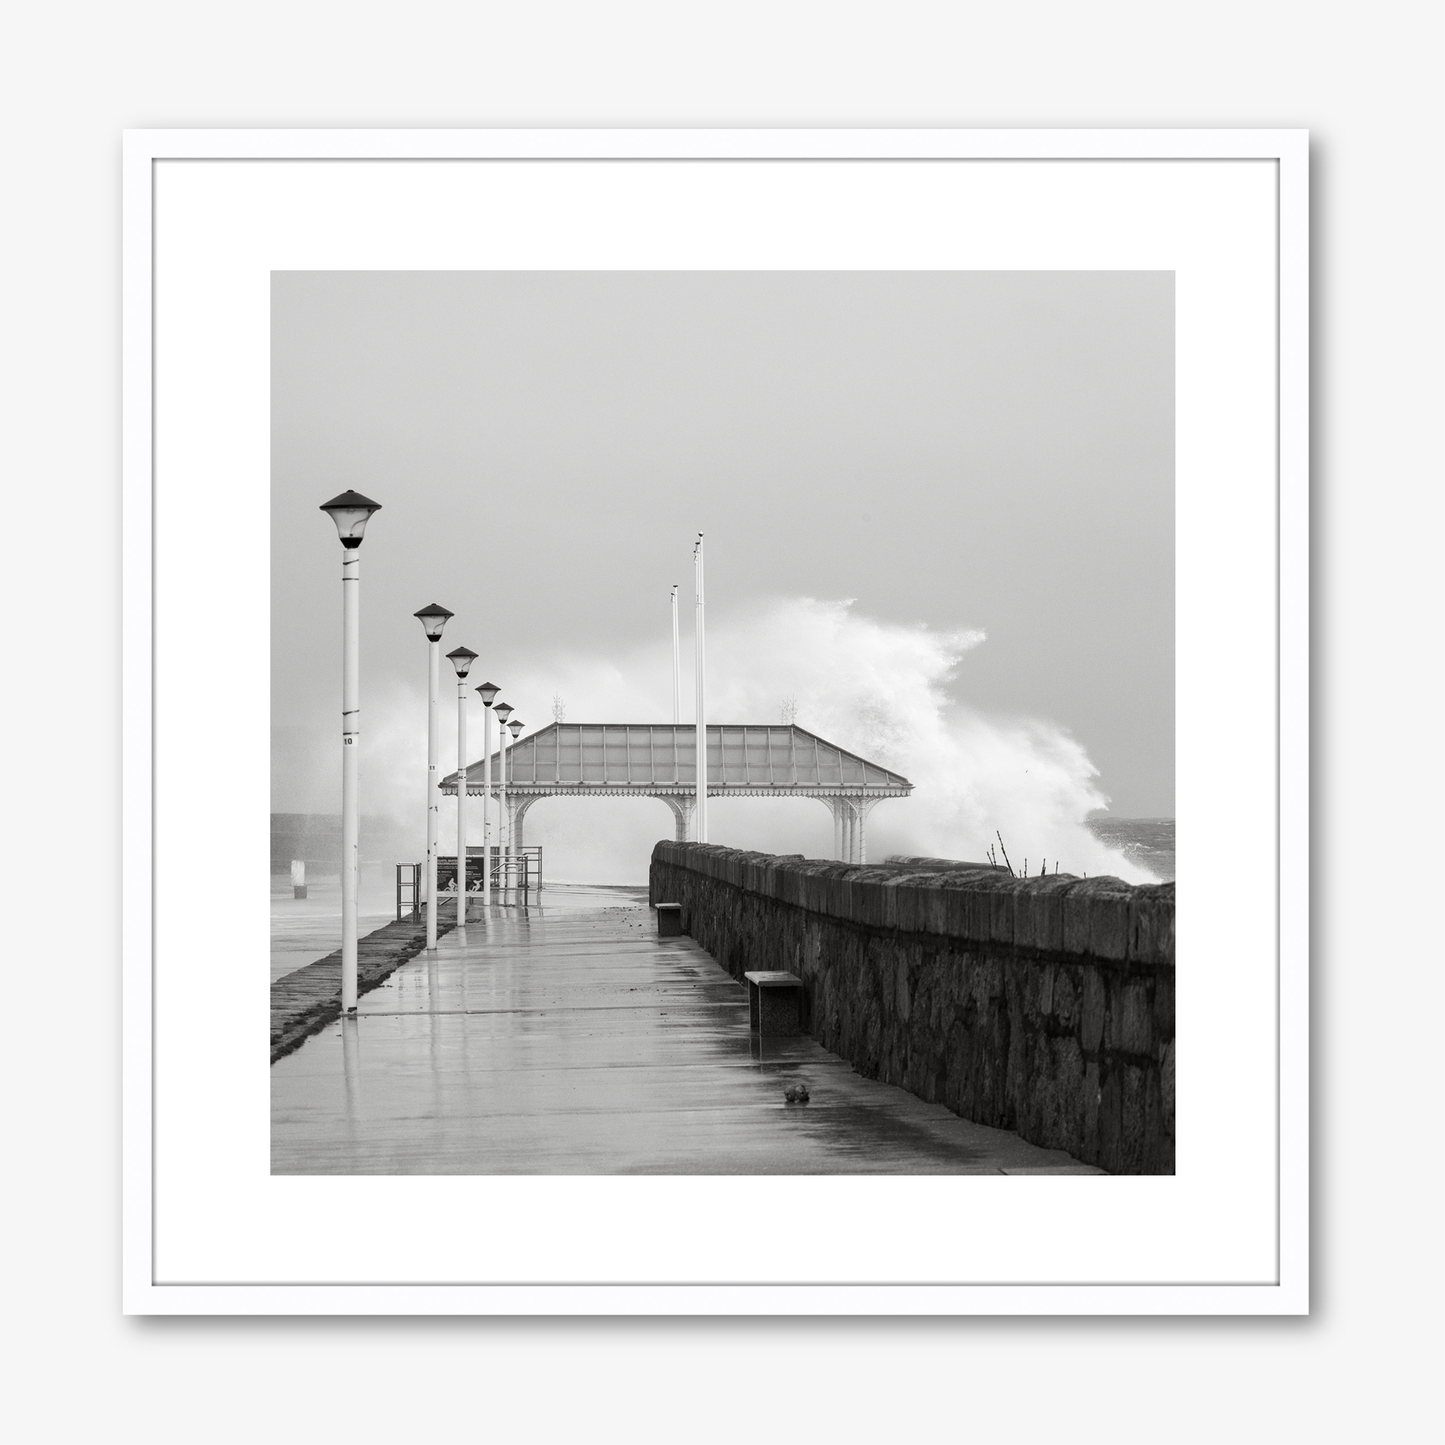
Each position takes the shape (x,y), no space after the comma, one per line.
(433,619)
(489,691)
(503,710)
(515,726)
(462,659)
(350,511)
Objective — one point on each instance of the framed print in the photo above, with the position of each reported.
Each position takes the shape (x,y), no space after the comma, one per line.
(882,556)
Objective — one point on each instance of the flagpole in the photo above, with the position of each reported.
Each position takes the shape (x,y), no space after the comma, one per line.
(700,668)
(676,663)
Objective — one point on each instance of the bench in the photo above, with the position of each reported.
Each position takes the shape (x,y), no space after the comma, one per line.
(775,1003)
(669,920)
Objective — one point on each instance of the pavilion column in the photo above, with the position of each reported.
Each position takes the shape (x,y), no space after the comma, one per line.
(837,829)
(682,810)
(864,807)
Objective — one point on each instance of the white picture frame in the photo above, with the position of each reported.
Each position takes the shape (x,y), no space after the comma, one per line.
(209,214)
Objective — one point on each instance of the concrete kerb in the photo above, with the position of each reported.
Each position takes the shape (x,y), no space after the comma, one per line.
(306,1000)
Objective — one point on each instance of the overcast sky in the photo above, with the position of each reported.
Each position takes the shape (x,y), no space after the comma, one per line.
(990,451)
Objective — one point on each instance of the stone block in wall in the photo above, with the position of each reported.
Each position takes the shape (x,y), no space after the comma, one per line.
(952,907)
(821,895)
(1156,1148)
(1044,984)
(801,888)
(1039,914)
(961,912)
(1151,925)
(1133,1114)
(1050,1090)
(874,900)
(1110,1127)
(1163,1002)
(915,902)
(1096,918)
(978,912)
(1065,996)
(1166,1087)
(817,885)
(1094,1011)
(985,980)
(1133,1030)
(1093,1101)
(902,996)
(1002,896)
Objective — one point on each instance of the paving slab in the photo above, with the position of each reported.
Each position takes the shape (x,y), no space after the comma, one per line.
(573,1040)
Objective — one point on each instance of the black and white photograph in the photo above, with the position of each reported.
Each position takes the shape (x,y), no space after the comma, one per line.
(894,551)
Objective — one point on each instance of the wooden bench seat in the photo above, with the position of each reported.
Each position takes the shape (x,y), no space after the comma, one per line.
(775,1003)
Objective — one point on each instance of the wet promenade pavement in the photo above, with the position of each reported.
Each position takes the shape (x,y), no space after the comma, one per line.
(570,1039)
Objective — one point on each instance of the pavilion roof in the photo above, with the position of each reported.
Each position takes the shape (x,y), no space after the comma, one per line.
(768,757)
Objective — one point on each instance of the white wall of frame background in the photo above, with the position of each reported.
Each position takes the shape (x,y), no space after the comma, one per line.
(1366,80)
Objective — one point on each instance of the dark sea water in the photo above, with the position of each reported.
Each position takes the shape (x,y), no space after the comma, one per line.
(1148,842)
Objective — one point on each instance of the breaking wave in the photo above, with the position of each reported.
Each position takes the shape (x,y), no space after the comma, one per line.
(879,689)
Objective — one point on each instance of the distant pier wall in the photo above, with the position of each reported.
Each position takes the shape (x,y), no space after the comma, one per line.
(315,839)
(1041,1005)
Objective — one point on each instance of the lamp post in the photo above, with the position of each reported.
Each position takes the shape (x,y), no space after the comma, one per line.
(503,711)
(514,726)
(350,511)
(488,691)
(432,619)
(462,658)
(699,665)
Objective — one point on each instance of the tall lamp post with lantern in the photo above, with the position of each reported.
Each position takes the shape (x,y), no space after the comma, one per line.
(351,512)
(514,726)
(462,658)
(488,692)
(503,711)
(433,619)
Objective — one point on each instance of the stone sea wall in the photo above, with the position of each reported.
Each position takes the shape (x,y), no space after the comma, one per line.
(1042,1005)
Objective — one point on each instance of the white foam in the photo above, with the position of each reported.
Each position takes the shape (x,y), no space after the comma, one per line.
(876,688)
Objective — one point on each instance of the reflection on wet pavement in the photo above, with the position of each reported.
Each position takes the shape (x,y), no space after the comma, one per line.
(570,1039)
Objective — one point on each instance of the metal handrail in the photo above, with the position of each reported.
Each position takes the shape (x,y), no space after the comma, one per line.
(413,882)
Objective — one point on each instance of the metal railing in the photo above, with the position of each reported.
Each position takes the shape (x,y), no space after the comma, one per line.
(408,882)
(520,870)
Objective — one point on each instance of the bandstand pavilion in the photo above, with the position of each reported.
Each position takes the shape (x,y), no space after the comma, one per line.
(659,760)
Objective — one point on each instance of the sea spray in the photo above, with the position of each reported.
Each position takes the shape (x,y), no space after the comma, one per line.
(876,688)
